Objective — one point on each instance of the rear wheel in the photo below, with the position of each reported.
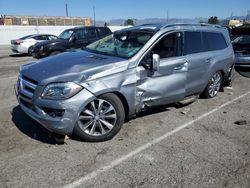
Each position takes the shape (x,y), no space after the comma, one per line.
(213,86)
(101,119)
(30,50)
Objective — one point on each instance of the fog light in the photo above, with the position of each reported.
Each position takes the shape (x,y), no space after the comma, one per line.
(54,112)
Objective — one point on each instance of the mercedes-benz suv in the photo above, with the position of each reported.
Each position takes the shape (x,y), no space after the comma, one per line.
(92,91)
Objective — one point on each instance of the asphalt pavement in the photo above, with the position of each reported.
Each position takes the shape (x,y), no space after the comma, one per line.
(205,144)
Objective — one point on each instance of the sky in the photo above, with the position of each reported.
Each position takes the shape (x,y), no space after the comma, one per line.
(106,10)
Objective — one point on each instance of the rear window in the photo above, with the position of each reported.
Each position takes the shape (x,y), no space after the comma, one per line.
(192,42)
(213,41)
(25,37)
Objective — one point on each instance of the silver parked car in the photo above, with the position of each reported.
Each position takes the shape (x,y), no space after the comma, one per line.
(90,92)
(241,45)
(25,44)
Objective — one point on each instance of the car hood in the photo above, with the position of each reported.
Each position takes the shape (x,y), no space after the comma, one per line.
(76,66)
(46,42)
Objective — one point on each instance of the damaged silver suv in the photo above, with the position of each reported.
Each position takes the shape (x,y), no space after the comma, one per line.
(90,92)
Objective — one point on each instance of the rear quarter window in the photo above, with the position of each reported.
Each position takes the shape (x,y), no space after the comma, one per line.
(103,31)
(192,42)
(214,41)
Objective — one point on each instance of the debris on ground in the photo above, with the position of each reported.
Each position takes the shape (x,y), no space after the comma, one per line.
(60,139)
(66,137)
(240,122)
(185,111)
(229,88)
(230,93)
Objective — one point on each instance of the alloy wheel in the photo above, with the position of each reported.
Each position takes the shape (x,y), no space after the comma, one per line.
(215,84)
(97,118)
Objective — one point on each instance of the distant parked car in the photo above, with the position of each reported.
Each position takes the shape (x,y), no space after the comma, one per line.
(241,45)
(71,38)
(25,44)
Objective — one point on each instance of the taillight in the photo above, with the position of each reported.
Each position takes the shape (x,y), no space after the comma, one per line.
(18,42)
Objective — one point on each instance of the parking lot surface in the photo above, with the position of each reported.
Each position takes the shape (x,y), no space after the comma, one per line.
(205,144)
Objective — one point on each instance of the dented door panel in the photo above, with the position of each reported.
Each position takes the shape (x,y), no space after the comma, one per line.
(164,86)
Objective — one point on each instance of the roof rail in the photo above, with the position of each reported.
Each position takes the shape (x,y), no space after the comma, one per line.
(187,24)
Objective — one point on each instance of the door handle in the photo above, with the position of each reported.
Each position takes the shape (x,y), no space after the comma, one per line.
(179,67)
(208,60)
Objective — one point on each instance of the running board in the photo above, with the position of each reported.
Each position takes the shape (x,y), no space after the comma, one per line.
(189,99)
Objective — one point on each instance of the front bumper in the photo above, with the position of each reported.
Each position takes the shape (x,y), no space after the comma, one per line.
(242,63)
(36,109)
(39,53)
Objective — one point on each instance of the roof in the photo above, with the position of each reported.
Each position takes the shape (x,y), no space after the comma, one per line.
(158,26)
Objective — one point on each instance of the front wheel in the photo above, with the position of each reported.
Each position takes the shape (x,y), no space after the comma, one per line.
(213,86)
(101,119)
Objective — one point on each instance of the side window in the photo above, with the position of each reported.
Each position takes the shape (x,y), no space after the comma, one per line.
(214,41)
(192,42)
(169,46)
(51,37)
(40,37)
(103,31)
(91,33)
(79,34)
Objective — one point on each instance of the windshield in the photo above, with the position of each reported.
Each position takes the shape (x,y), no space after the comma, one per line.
(243,39)
(121,44)
(66,34)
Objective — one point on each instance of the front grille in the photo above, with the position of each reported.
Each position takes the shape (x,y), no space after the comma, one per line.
(26,87)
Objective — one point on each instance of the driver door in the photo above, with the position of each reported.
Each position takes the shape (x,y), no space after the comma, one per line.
(167,84)
(80,39)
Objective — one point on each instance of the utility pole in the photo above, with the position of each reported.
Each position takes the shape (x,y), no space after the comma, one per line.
(167,15)
(66,8)
(94,14)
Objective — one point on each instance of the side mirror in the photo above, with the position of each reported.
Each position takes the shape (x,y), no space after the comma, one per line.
(156,62)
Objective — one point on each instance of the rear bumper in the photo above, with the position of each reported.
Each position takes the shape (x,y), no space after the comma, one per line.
(18,49)
(242,63)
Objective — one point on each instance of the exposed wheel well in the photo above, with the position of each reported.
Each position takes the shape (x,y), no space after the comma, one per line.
(124,102)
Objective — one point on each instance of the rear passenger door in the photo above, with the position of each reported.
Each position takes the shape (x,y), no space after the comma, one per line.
(198,61)
(91,35)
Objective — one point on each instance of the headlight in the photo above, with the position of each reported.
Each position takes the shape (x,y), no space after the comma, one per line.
(59,91)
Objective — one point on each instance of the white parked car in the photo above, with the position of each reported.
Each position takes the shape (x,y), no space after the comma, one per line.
(25,44)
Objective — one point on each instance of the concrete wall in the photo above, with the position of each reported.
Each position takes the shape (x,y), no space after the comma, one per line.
(8,33)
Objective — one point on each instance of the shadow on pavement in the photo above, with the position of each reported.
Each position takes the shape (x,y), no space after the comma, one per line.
(19,55)
(30,127)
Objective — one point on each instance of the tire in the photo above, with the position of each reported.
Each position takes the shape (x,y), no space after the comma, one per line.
(244,73)
(101,119)
(30,50)
(54,53)
(213,86)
